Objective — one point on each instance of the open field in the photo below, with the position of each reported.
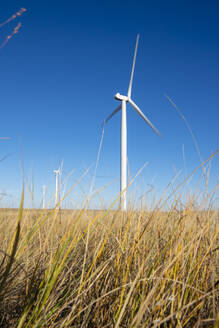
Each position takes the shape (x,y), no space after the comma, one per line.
(109,269)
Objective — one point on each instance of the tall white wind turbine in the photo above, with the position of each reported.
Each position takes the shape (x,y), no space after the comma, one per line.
(57,173)
(123,152)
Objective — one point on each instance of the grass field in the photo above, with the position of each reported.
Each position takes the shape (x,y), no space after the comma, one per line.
(109,269)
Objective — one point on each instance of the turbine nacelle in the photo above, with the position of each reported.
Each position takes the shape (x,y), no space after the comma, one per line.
(56,171)
(120,97)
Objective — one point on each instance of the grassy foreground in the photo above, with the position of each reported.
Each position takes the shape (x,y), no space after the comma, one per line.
(109,269)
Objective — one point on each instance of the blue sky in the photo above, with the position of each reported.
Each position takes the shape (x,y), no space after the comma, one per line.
(59,75)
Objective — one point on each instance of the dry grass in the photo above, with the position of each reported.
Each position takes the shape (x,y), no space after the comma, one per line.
(109,269)
(15,29)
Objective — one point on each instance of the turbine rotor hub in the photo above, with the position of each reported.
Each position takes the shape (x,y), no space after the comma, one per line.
(120,97)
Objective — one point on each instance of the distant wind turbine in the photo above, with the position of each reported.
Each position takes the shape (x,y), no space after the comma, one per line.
(44,196)
(123,152)
(58,174)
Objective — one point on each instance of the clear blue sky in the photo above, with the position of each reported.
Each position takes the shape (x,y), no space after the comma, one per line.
(59,75)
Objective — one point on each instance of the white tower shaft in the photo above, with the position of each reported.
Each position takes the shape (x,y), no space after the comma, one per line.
(57,189)
(44,197)
(123,159)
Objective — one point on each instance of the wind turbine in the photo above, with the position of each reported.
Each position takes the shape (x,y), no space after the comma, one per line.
(57,173)
(123,152)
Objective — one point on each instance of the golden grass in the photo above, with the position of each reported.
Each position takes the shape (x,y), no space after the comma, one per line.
(109,269)
(15,29)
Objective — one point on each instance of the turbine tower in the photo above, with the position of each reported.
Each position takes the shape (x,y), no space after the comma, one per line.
(57,173)
(123,152)
(44,196)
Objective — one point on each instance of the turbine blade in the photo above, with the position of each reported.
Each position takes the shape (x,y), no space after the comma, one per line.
(137,109)
(111,115)
(133,68)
